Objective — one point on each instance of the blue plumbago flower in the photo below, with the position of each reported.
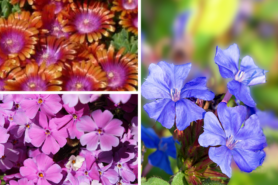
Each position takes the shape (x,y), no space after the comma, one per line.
(247,75)
(244,144)
(166,84)
(165,148)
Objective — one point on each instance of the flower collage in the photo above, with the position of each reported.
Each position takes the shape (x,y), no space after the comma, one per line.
(187,96)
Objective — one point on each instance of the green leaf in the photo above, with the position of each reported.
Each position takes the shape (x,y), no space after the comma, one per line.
(155,181)
(179,179)
(143,180)
(125,40)
(16,8)
(6,8)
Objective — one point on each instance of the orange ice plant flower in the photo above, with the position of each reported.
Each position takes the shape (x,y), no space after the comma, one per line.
(84,76)
(130,22)
(88,21)
(18,34)
(34,78)
(125,6)
(121,69)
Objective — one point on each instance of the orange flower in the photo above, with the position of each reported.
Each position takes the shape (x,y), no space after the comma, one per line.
(86,52)
(88,21)
(18,34)
(121,70)
(56,51)
(21,2)
(130,22)
(125,6)
(34,78)
(85,76)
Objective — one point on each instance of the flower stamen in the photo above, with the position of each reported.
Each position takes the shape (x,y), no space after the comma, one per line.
(175,94)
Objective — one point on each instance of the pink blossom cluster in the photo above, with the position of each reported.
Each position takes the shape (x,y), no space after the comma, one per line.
(69,139)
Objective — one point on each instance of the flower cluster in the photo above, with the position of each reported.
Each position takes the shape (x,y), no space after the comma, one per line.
(69,139)
(200,121)
(67,45)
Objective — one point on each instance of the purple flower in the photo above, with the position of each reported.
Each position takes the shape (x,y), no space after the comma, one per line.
(166,85)
(41,169)
(47,104)
(102,129)
(105,174)
(72,99)
(48,134)
(247,75)
(123,169)
(4,136)
(243,143)
(69,121)
(8,157)
(22,182)
(164,147)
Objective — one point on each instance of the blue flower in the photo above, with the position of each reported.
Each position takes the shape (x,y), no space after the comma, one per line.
(247,75)
(244,143)
(166,85)
(165,147)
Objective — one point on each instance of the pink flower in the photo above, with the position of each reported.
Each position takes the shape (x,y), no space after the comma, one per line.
(4,136)
(120,98)
(41,169)
(68,122)
(48,134)
(22,182)
(72,99)
(102,129)
(48,104)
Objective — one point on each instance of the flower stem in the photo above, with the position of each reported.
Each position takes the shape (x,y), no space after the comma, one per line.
(147,169)
(227,97)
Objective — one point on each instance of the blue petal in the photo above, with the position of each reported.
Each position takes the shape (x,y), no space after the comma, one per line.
(160,159)
(197,88)
(253,75)
(171,148)
(186,112)
(177,73)
(213,133)
(162,110)
(180,25)
(157,83)
(222,156)
(227,61)
(231,118)
(241,92)
(251,136)
(149,137)
(248,160)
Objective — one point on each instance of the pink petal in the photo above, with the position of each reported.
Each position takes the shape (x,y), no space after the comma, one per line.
(128,175)
(50,145)
(43,120)
(107,141)
(102,118)
(60,137)
(86,124)
(31,107)
(114,128)
(117,98)
(70,99)
(54,173)
(112,175)
(94,174)
(2,149)
(43,181)
(7,105)
(73,132)
(20,118)
(13,182)
(51,107)
(37,135)
(3,135)
(91,140)
(84,98)
(43,162)
(63,121)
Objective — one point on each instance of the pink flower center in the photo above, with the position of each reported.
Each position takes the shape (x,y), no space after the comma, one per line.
(27,125)
(119,165)
(116,75)
(3,157)
(87,22)
(40,101)
(175,94)
(129,4)
(100,172)
(15,142)
(78,84)
(100,131)
(74,116)
(47,132)
(34,84)
(49,56)
(11,41)
(17,106)
(41,175)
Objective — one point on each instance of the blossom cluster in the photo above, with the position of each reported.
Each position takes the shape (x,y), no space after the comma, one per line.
(68,45)
(69,139)
(183,102)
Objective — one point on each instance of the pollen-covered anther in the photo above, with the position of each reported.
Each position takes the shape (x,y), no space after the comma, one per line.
(119,165)
(3,157)
(100,172)
(86,173)
(9,42)
(47,132)
(40,101)
(32,85)
(110,75)
(27,125)
(175,94)
(73,162)
(17,106)
(74,116)
(41,175)
(79,85)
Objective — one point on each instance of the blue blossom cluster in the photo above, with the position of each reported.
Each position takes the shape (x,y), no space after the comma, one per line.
(237,136)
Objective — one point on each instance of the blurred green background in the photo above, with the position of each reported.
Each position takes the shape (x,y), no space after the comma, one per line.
(252,24)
